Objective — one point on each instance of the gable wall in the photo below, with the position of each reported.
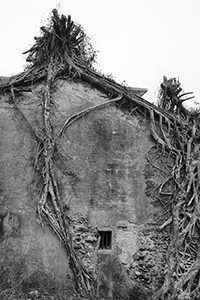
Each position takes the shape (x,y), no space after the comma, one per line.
(102,183)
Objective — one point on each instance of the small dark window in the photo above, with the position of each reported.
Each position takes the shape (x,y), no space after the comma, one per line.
(106,239)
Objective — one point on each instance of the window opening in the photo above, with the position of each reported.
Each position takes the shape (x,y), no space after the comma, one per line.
(106,239)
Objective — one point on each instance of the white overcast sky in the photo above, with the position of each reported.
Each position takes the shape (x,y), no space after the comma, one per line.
(138,40)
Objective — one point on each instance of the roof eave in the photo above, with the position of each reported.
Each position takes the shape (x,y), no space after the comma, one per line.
(139,91)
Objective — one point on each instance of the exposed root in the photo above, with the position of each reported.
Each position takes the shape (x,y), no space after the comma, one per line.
(80,114)
(50,205)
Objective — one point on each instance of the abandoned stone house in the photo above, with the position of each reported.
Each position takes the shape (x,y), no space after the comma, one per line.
(102,172)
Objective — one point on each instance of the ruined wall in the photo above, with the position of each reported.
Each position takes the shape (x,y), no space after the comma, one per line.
(105,183)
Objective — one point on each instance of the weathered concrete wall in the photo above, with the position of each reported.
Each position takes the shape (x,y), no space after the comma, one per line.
(105,184)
